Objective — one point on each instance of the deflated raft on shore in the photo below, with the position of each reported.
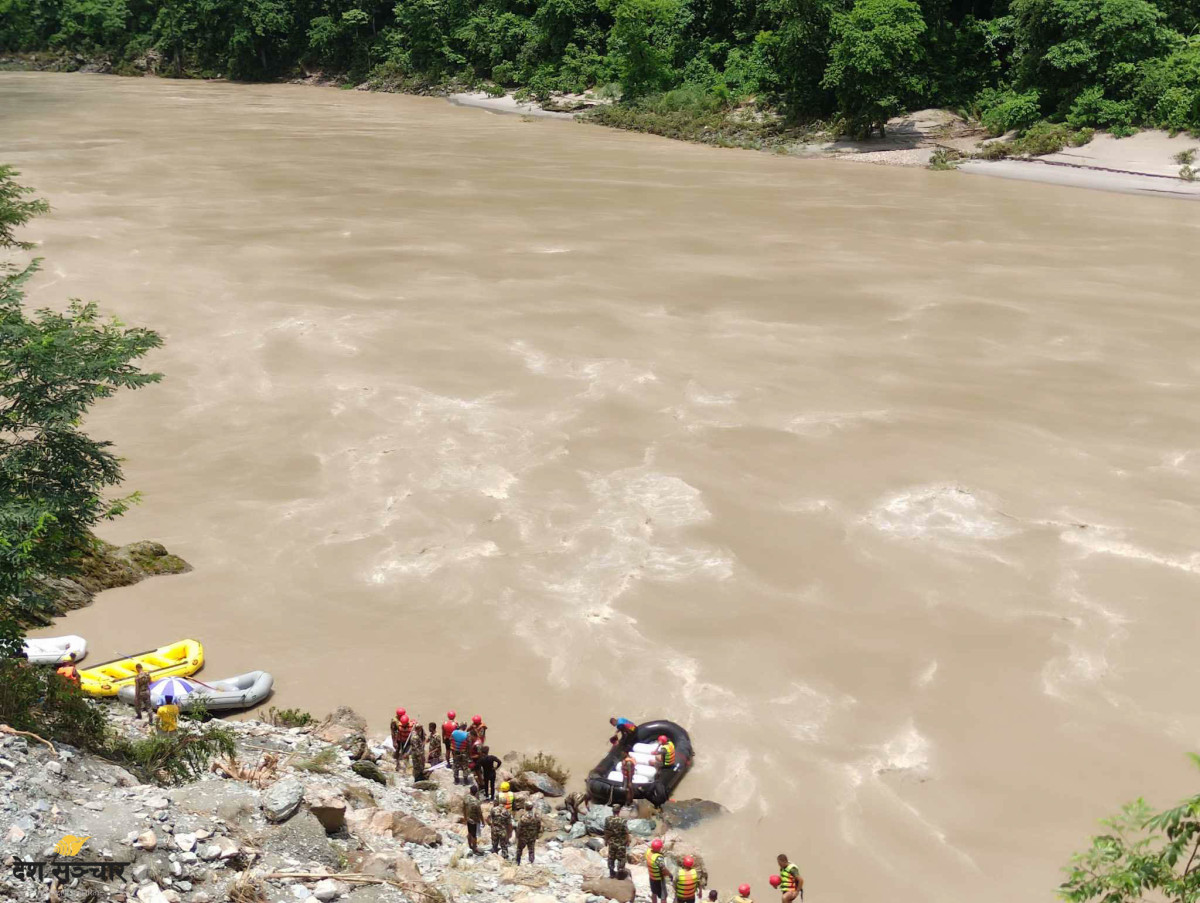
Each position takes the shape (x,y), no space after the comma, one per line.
(239,692)
(604,783)
(176,660)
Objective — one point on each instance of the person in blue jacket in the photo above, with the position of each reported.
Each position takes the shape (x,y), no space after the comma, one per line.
(626,730)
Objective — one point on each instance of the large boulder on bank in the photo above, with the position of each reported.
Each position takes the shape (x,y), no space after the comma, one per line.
(686,814)
(327,805)
(367,823)
(593,820)
(619,889)
(282,799)
(341,726)
(540,783)
(370,771)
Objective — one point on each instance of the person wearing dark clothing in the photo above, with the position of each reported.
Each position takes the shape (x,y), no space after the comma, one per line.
(487,770)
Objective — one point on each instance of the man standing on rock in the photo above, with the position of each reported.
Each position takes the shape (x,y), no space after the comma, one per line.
(478,730)
(487,770)
(501,824)
(458,743)
(418,753)
(654,865)
(435,745)
(529,828)
(473,816)
(401,736)
(616,837)
(141,692)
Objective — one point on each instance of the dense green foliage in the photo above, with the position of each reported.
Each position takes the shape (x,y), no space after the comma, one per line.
(1144,856)
(1114,64)
(53,367)
(38,700)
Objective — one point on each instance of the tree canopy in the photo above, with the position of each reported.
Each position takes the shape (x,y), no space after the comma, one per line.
(53,476)
(1114,64)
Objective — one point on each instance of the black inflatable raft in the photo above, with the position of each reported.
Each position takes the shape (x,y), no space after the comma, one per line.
(603,789)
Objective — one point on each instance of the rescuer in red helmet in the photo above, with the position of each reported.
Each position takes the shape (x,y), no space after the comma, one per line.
(448,728)
(687,881)
(654,865)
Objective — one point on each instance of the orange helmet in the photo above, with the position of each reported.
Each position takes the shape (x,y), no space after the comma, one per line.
(475,719)
(688,862)
(656,844)
(664,739)
(404,719)
(452,714)
(399,713)
(776,881)
(744,890)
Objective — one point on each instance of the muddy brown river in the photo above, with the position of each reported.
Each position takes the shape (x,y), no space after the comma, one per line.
(883,482)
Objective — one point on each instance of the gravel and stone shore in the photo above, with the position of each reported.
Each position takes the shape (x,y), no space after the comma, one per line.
(334,833)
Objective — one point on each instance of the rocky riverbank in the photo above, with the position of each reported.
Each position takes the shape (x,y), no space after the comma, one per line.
(296,818)
(105,566)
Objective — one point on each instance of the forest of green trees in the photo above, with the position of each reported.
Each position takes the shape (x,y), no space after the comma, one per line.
(1113,64)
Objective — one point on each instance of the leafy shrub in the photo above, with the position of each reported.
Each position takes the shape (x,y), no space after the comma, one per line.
(1082,137)
(1092,108)
(1168,91)
(1043,138)
(1004,111)
(944,158)
(288,717)
(37,700)
(1186,157)
(544,763)
(322,763)
(176,757)
(1187,173)
(494,90)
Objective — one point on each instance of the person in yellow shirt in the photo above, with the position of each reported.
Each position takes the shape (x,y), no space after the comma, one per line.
(168,716)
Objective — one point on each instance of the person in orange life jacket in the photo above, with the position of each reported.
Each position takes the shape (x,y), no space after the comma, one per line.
(68,670)
(402,729)
(478,730)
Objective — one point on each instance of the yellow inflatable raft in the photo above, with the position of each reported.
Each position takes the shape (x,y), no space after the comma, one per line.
(176,660)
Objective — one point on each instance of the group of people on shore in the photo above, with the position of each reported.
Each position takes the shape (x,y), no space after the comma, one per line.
(461,746)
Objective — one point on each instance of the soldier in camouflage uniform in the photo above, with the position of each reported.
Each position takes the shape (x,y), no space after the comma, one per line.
(501,824)
(571,803)
(529,828)
(141,694)
(473,816)
(418,754)
(435,745)
(616,838)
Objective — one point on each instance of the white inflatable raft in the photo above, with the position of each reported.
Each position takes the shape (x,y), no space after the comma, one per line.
(54,650)
(239,692)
